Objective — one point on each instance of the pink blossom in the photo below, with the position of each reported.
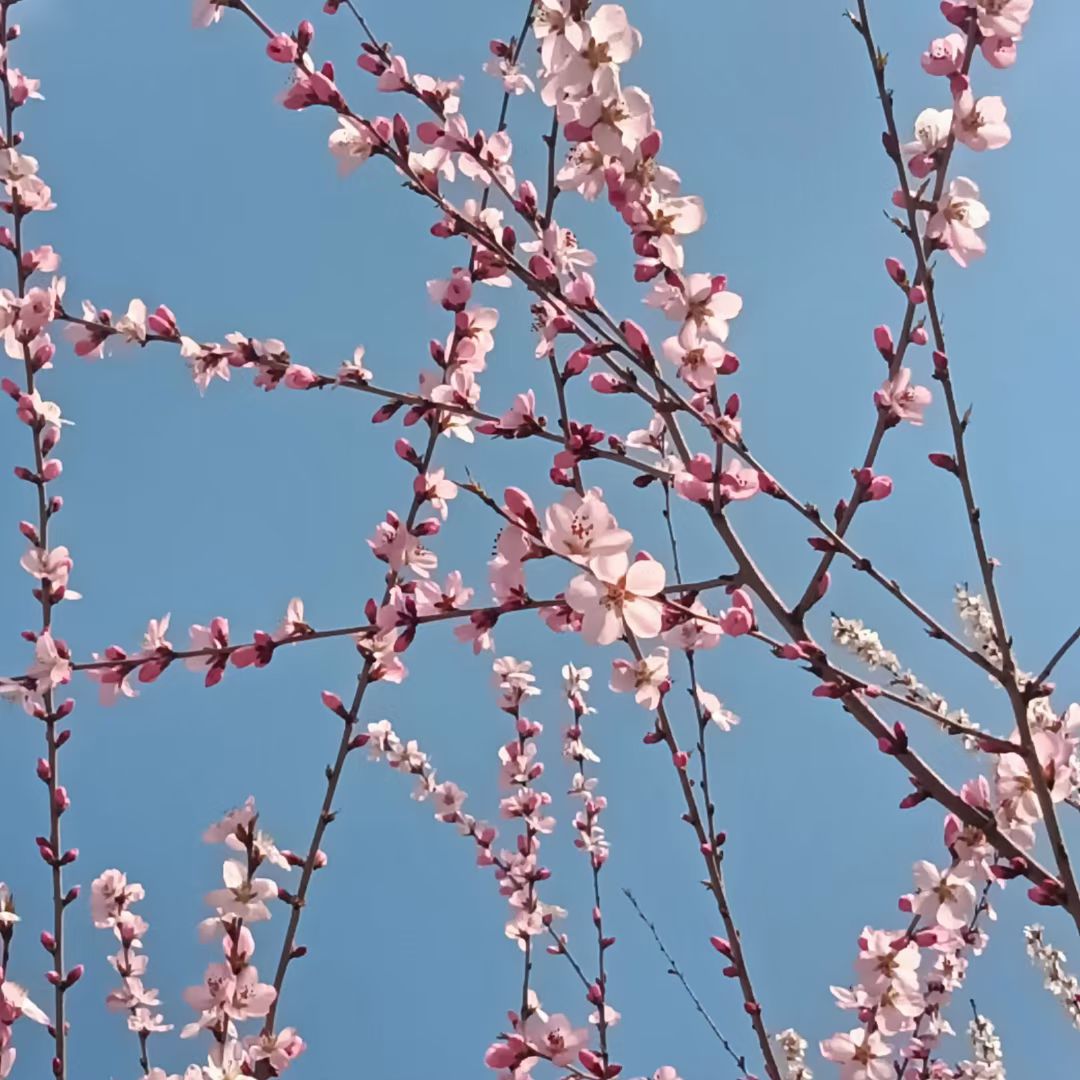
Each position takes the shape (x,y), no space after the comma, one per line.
(861,1055)
(646,678)
(980,124)
(944,55)
(447,800)
(1004,18)
(400,547)
(437,490)
(511,76)
(212,637)
(351,144)
(293,624)
(312,88)
(51,667)
(944,897)
(902,400)
(282,49)
(242,896)
(54,566)
(618,592)
(699,359)
(959,214)
(207,362)
(280,1050)
(932,129)
(999,52)
(132,326)
(17,999)
(217,987)
(694,634)
(235,820)
(738,481)
(555,1037)
(250,998)
(699,299)
(110,897)
(299,377)
(886,958)
(714,711)
(23,89)
(583,528)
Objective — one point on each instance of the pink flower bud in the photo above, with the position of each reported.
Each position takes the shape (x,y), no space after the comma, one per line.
(721,945)
(604,383)
(883,340)
(919,336)
(333,703)
(895,269)
(917,294)
(879,488)
(946,462)
(282,49)
(636,338)
(299,377)
(680,759)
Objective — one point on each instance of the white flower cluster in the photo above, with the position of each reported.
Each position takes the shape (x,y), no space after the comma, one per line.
(793,1047)
(989,1063)
(1065,987)
(865,643)
(978,623)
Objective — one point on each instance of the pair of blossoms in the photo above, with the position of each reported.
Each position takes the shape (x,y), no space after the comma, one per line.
(977,123)
(553,1039)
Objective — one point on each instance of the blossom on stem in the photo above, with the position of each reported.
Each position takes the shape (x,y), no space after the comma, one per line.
(955,222)
(617,592)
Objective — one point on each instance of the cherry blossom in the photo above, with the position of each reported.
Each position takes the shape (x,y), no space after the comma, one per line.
(946,898)
(243,897)
(955,223)
(901,400)
(647,678)
(980,124)
(617,592)
(862,1055)
(582,528)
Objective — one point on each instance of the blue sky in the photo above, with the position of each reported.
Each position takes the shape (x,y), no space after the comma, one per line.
(180,180)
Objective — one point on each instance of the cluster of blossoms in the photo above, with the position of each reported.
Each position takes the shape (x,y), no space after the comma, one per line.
(956,214)
(865,643)
(1057,979)
(988,1063)
(793,1048)
(978,622)
(231,992)
(112,900)
(906,976)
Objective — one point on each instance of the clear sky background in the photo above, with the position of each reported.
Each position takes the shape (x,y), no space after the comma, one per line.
(180,180)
